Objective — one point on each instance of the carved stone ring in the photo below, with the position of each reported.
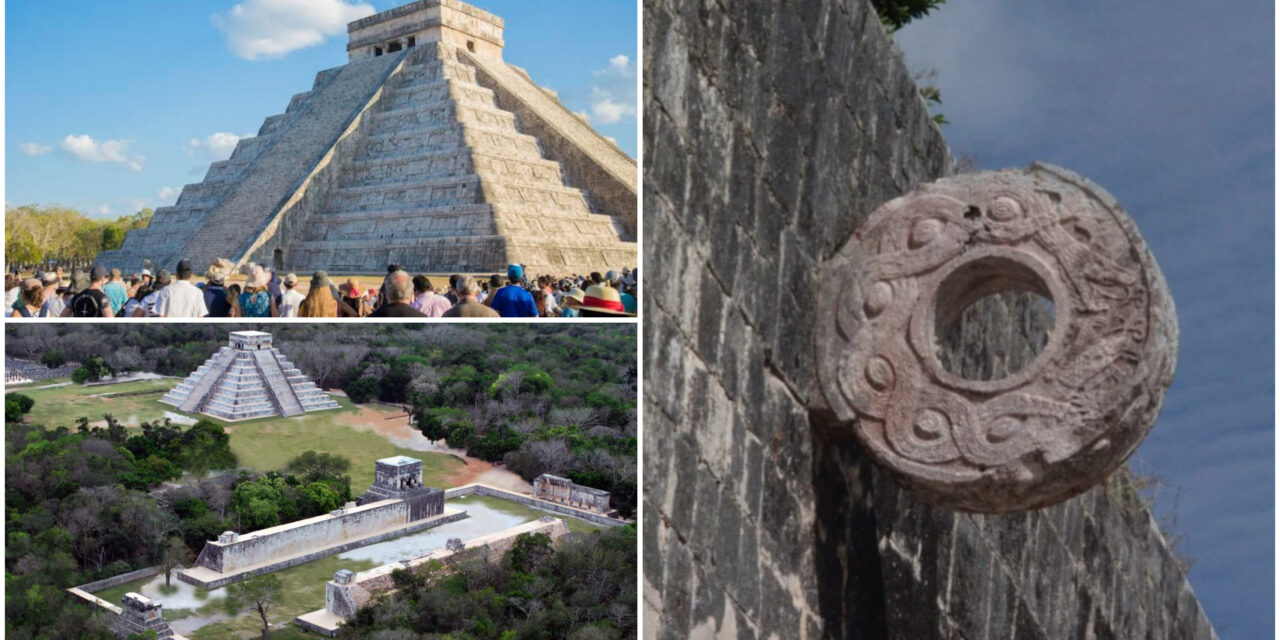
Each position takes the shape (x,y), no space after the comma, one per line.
(1061,423)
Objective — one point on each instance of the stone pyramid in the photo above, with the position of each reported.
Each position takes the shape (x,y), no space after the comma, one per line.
(425,150)
(248,379)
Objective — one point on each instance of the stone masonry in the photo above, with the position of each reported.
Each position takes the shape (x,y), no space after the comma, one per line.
(400,478)
(248,379)
(405,155)
(138,615)
(772,134)
(565,491)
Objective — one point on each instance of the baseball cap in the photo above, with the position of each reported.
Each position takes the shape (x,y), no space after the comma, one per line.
(99,272)
(291,279)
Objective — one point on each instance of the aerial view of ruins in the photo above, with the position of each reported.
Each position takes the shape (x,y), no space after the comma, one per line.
(227,481)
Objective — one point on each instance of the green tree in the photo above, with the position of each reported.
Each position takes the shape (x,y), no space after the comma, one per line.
(173,555)
(53,358)
(895,14)
(259,593)
(311,466)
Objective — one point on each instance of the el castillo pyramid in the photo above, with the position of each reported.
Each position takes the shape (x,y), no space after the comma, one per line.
(248,379)
(425,150)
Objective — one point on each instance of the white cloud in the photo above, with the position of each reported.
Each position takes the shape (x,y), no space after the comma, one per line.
(217,146)
(168,194)
(613,91)
(85,148)
(33,149)
(104,210)
(258,29)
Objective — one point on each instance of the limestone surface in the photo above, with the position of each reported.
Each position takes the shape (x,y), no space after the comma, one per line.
(1037,436)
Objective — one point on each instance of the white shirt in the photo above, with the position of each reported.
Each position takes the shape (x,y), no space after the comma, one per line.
(289,303)
(181,300)
(53,307)
(11,296)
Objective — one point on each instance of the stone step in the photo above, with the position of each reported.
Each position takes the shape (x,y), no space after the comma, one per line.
(467,254)
(435,71)
(274,124)
(426,93)
(451,162)
(359,226)
(422,194)
(441,112)
(501,191)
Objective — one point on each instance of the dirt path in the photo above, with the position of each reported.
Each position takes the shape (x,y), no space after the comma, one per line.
(395,427)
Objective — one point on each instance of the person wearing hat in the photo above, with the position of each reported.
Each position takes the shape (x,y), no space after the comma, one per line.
(256,301)
(182,299)
(147,307)
(468,306)
(291,299)
(53,305)
(30,298)
(147,278)
(600,301)
(215,290)
(512,301)
(320,301)
(570,303)
(89,300)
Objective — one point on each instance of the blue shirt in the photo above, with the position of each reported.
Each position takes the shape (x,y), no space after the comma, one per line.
(256,305)
(512,301)
(117,294)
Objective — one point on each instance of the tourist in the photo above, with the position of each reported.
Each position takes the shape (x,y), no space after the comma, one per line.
(116,291)
(355,297)
(147,309)
(512,301)
(321,300)
(291,298)
(181,299)
(552,309)
(147,279)
(91,302)
(134,304)
(452,294)
(571,301)
(12,289)
(601,301)
(53,305)
(382,290)
(495,283)
(426,300)
(215,290)
(30,299)
(256,301)
(468,306)
(399,292)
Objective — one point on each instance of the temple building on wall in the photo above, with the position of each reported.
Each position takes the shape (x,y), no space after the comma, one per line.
(564,491)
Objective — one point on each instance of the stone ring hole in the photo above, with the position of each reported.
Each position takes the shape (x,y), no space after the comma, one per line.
(1006,298)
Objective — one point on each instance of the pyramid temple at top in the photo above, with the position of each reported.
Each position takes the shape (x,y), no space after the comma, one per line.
(425,150)
(248,379)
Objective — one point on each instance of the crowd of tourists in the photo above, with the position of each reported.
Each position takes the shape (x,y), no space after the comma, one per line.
(99,292)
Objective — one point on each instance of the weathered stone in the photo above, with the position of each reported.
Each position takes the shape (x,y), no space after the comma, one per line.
(138,615)
(249,379)
(565,491)
(1065,420)
(426,150)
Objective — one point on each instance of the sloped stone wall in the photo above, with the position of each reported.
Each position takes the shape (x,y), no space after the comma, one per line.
(771,134)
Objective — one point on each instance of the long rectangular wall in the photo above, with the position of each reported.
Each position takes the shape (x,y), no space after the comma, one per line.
(304,536)
(486,490)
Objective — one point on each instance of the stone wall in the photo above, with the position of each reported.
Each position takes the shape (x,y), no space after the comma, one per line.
(589,161)
(303,536)
(519,498)
(771,135)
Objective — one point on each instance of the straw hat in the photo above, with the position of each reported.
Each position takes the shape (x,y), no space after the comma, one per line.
(599,298)
(258,277)
(219,270)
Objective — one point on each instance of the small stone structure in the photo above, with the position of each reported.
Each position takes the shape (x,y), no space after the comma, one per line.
(400,478)
(564,491)
(140,614)
(248,379)
(1054,428)
(425,150)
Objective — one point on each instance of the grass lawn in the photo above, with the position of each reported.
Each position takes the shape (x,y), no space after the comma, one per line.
(61,406)
(264,444)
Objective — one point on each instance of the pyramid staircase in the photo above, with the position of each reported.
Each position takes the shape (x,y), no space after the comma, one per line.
(403,158)
(246,381)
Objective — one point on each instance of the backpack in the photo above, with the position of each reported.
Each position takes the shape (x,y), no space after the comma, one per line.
(86,305)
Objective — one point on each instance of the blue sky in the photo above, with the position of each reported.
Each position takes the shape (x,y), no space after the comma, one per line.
(1169,105)
(112,106)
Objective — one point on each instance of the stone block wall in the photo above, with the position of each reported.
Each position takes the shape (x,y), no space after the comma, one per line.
(772,133)
(519,498)
(267,545)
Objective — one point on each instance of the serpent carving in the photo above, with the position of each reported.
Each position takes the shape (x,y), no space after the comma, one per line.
(1040,435)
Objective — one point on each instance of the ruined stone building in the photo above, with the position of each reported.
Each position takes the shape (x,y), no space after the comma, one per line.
(426,150)
(140,614)
(564,491)
(248,379)
(782,128)
(400,478)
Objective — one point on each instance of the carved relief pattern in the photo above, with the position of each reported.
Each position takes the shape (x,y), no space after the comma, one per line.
(1039,435)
